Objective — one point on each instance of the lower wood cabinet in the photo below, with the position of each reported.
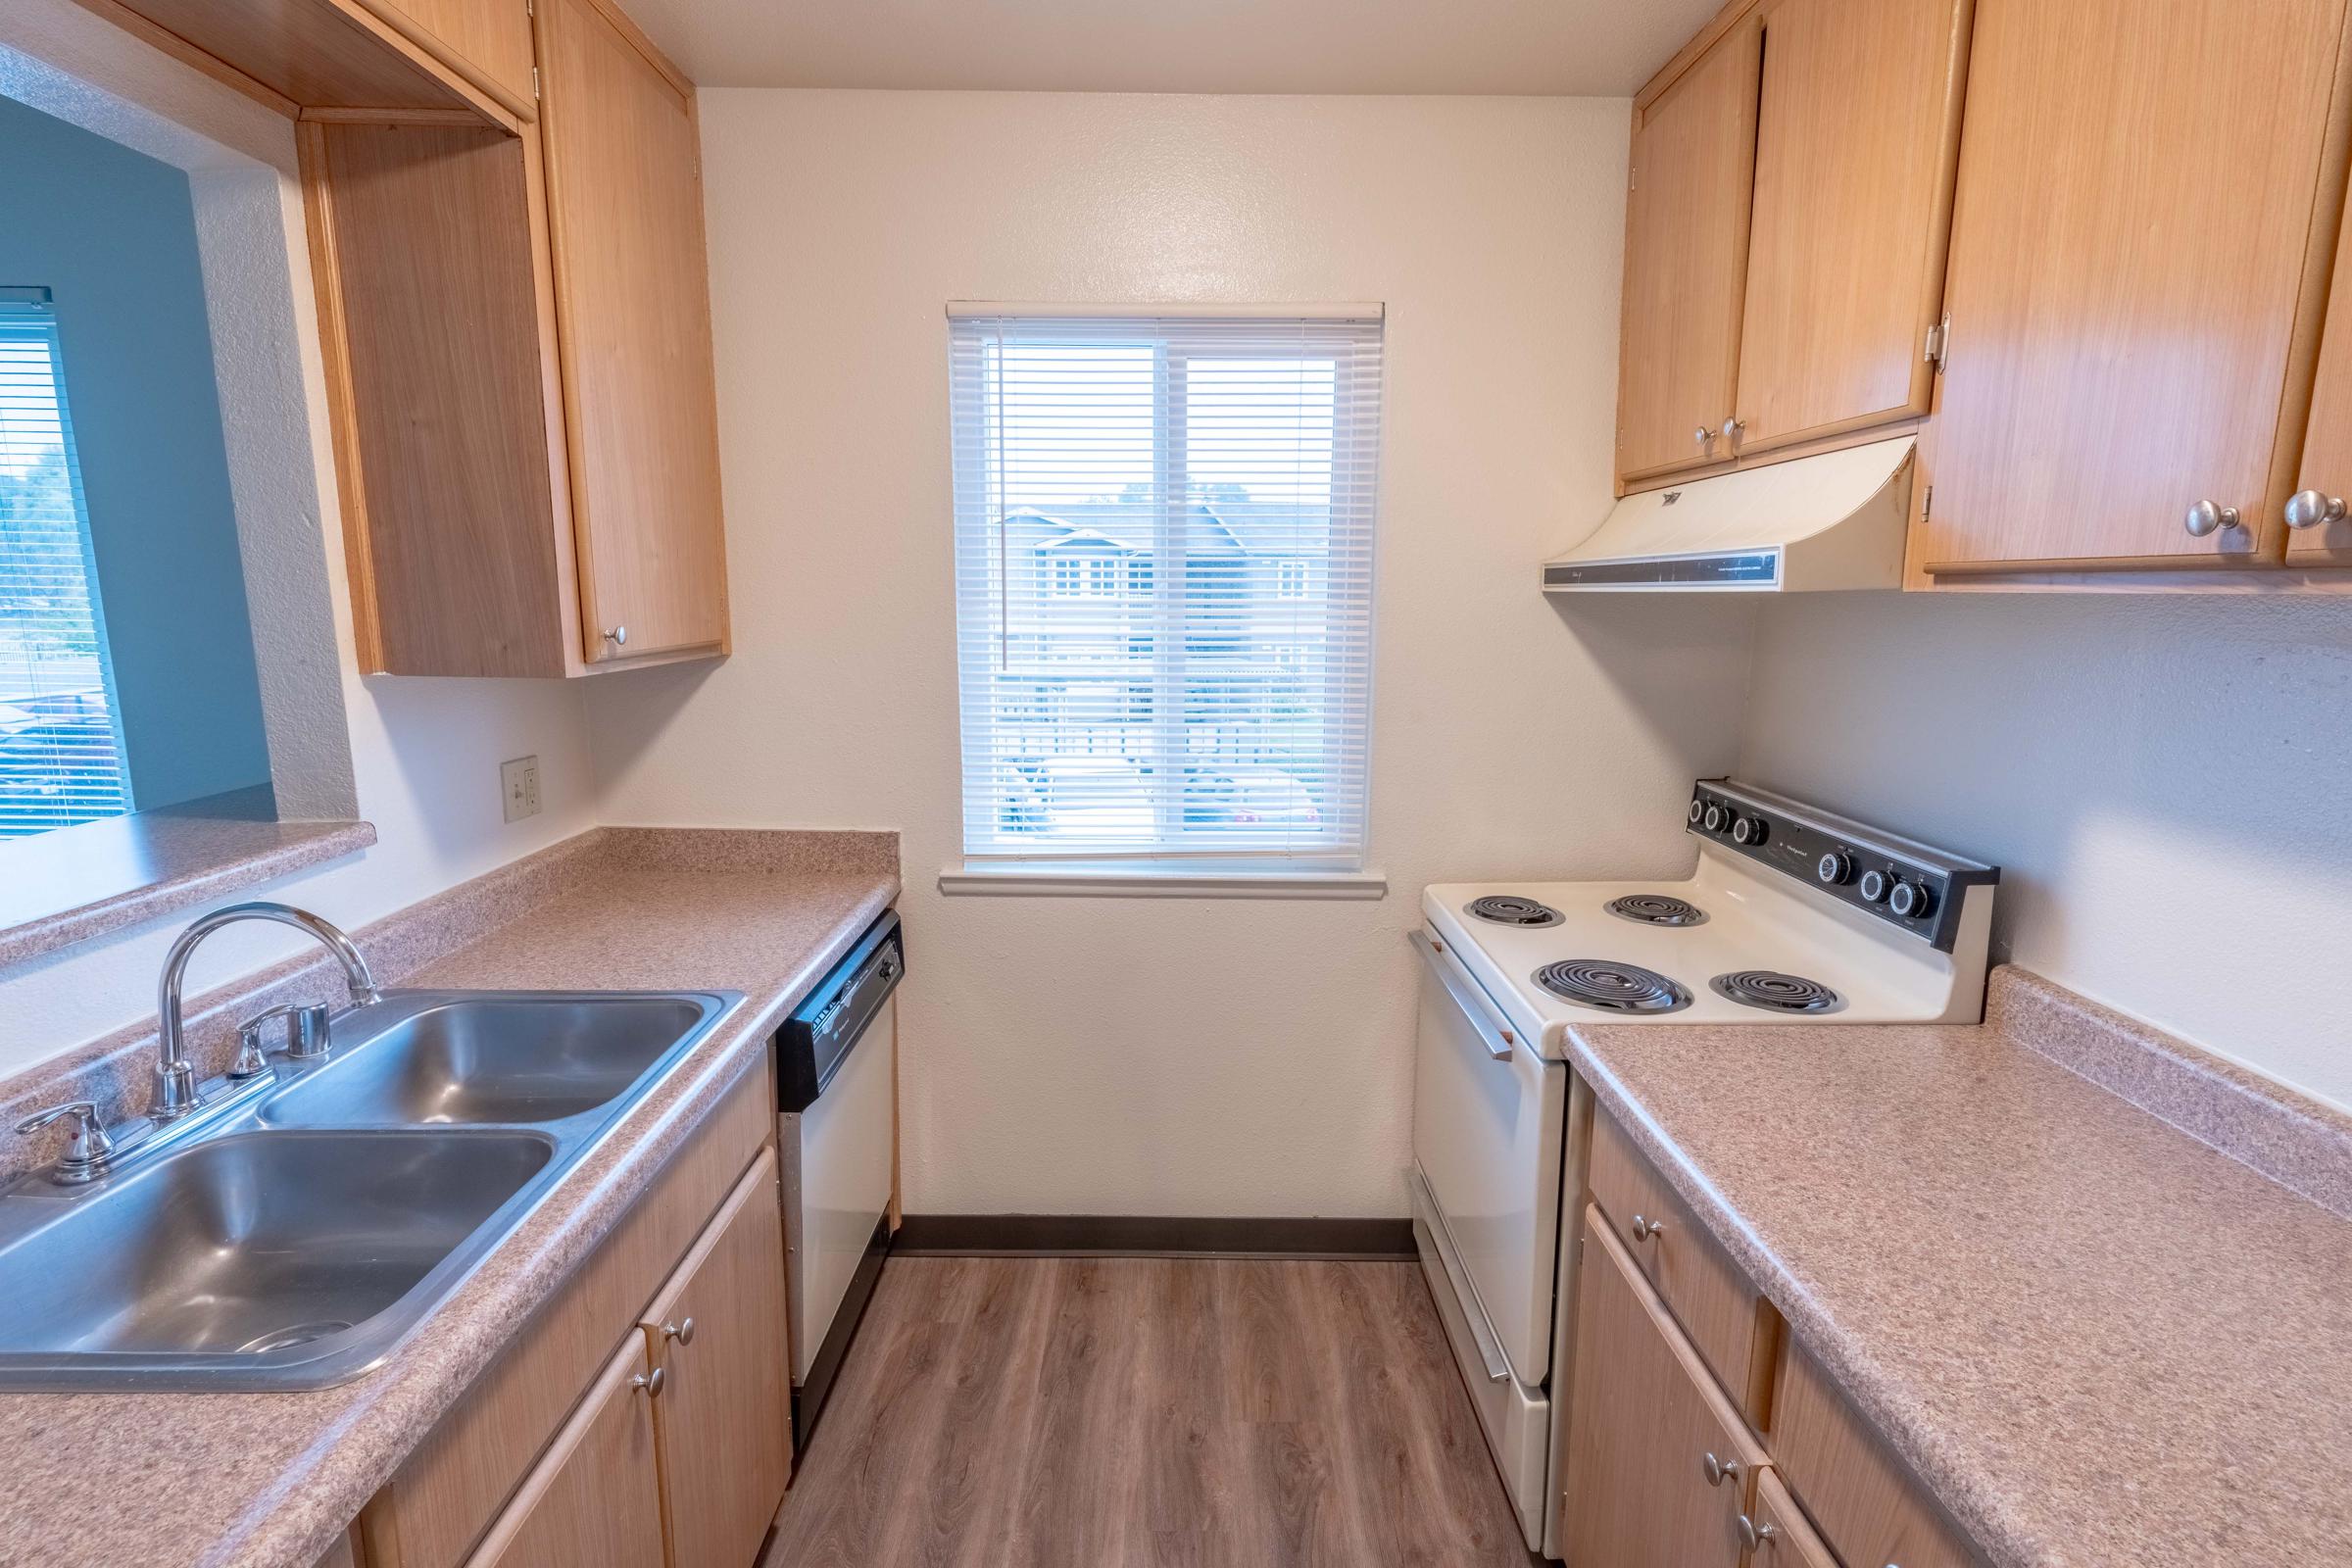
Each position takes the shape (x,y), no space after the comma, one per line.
(1660,1467)
(679,1454)
(595,1501)
(725,1415)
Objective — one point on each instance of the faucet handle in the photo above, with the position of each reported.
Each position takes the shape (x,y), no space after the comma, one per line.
(305,1037)
(88,1150)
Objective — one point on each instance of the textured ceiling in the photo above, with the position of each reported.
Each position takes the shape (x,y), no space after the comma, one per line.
(1605,47)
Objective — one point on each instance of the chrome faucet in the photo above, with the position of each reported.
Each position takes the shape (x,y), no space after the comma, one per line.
(175,1092)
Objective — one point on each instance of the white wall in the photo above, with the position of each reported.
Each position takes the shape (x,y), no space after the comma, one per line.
(424,754)
(1173,1056)
(2165,782)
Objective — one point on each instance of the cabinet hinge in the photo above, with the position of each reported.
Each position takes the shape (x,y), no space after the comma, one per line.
(1927,505)
(1939,342)
(535,85)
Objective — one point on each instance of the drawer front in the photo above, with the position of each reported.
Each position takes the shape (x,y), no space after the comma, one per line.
(1725,1316)
(1868,1507)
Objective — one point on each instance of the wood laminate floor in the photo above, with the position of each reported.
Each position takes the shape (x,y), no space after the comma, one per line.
(1090,1412)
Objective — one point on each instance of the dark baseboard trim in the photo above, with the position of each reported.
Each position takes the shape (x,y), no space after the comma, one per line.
(1150,1236)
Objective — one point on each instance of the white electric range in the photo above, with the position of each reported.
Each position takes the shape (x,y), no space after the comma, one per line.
(1794,915)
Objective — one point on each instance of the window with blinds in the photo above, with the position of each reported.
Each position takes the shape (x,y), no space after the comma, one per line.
(1163,557)
(61,745)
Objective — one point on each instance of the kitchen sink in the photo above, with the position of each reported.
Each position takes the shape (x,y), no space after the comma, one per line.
(291,1231)
(518,1058)
(258,1244)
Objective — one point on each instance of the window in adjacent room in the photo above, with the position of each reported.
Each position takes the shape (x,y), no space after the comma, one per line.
(1163,545)
(61,738)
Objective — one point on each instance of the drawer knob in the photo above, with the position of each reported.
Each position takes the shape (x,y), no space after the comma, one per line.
(1718,1471)
(682,1331)
(2207,517)
(2311,508)
(1754,1536)
(619,636)
(1647,1230)
(653,1383)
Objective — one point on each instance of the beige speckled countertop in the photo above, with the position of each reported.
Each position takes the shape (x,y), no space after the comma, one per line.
(2097,1339)
(104,1480)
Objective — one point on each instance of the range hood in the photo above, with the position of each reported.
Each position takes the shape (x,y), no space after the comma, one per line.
(1831,522)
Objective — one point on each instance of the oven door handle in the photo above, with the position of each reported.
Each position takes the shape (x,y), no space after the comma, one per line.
(1493,1031)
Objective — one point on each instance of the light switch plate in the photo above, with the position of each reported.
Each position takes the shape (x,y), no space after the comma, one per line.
(518,783)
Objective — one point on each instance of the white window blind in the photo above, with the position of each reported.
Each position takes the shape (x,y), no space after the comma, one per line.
(61,749)
(1163,555)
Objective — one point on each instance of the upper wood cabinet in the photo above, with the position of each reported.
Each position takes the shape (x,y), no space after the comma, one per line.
(1686,257)
(2134,290)
(1858,135)
(2319,533)
(517,342)
(633,311)
(1786,228)
(1647,1430)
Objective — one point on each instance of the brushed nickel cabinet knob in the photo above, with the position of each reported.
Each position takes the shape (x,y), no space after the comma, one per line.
(1754,1536)
(1646,1229)
(653,1383)
(619,636)
(2209,517)
(682,1331)
(1718,1471)
(2310,509)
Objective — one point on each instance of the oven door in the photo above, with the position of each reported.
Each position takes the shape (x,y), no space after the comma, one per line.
(1487,1136)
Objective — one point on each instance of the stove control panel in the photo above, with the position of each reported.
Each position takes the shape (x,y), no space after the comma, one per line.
(1905,884)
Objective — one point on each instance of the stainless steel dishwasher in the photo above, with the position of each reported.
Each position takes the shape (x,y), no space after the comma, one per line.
(834,1104)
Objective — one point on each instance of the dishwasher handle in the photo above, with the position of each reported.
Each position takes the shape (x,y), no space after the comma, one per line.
(1495,1032)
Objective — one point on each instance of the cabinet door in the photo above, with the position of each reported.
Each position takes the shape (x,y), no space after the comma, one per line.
(487,40)
(595,1499)
(2127,279)
(1857,135)
(633,318)
(1643,1420)
(2327,470)
(1686,258)
(725,1412)
(1869,1508)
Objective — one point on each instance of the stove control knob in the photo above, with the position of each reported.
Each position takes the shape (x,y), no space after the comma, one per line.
(1749,831)
(1874,886)
(1699,810)
(1911,901)
(1837,868)
(1719,816)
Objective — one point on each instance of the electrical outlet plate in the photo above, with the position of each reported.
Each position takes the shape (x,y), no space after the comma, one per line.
(518,784)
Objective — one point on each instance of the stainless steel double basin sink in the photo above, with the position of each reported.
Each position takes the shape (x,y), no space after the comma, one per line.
(323,1210)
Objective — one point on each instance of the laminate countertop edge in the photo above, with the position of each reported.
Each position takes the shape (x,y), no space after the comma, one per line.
(273,1480)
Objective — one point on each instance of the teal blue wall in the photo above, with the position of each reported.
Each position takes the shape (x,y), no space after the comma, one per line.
(112,234)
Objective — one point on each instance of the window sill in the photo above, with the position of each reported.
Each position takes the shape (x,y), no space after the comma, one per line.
(1042,879)
(77,883)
